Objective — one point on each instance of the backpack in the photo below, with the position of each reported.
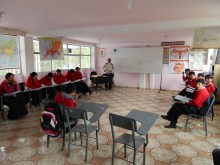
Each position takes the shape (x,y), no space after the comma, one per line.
(52,120)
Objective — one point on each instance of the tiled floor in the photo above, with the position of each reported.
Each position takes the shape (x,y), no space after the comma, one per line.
(23,143)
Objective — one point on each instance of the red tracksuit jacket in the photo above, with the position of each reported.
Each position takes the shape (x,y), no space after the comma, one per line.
(70,77)
(210,88)
(199,97)
(78,75)
(68,102)
(8,88)
(30,83)
(45,81)
(58,79)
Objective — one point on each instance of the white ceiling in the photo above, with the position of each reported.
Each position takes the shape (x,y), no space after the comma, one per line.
(147,22)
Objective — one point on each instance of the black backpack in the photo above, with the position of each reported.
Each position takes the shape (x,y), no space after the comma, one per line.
(52,120)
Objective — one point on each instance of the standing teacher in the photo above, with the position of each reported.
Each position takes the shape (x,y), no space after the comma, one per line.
(109,71)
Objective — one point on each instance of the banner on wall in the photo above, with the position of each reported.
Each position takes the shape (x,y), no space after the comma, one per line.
(178,59)
(9,52)
(51,49)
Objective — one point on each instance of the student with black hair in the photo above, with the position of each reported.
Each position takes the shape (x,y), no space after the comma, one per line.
(70,75)
(191,83)
(83,87)
(33,83)
(58,77)
(67,97)
(15,103)
(186,77)
(9,85)
(194,106)
(209,84)
(201,76)
(47,81)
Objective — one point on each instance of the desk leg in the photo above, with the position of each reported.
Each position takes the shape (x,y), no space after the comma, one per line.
(96,86)
(1,108)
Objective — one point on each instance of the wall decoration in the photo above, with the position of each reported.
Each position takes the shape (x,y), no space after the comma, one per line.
(206,38)
(9,52)
(178,59)
(198,58)
(166,55)
(51,49)
(101,52)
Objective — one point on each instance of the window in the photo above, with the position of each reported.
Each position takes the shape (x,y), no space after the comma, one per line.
(74,55)
(9,54)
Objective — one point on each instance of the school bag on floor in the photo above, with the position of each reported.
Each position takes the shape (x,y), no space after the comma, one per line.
(52,120)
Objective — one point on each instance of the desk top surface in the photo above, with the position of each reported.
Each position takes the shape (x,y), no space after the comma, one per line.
(147,119)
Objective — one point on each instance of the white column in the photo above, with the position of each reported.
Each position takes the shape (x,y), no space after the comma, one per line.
(142,80)
(151,81)
(27,56)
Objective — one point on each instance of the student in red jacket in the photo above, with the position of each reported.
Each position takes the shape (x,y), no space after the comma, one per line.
(58,77)
(81,85)
(201,76)
(191,83)
(186,77)
(70,75)
(9,85)
(47,81)
(192,107)
(209,84)
(67,97)
(33,83)
(15,103)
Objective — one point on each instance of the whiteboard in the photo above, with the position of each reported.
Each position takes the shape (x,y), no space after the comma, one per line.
(138,60)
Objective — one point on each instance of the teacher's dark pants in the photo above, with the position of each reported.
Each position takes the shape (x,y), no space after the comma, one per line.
(216,156)
(110,76)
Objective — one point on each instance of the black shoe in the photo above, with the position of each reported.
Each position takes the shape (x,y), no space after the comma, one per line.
(170,126)
(165,117)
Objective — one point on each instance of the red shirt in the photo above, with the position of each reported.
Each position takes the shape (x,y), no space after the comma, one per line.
(185,78)
(210,88)
(199,97)
(8,87)
(70,77)
(30,83)
(78,75)
(68,102)
(58,79)
(192,82)
(46,81)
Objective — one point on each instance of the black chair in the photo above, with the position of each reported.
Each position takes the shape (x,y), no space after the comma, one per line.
(215,93)
(26,95)
(128,140)
(204,112)
(85,128)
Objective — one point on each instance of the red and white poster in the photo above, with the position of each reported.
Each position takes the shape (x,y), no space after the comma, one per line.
(178,59)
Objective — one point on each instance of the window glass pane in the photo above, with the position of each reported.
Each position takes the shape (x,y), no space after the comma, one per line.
(64,48)
(85,50)
(85,61)
(41,66)
(14,71)
(73,49)
(60,64)
(73,61)
(36,46)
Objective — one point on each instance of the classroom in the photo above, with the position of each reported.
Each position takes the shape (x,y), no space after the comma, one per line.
(121,68)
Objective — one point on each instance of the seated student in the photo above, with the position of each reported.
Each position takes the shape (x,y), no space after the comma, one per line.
(190,83)
(16,104)
(70,75)
(201,76)
(209,85)
(185,77)
(67,97)
(82,84)
(192,107)
(47,81)
(58,77)
(33,83)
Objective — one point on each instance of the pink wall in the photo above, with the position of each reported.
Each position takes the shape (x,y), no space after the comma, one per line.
(169,81)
